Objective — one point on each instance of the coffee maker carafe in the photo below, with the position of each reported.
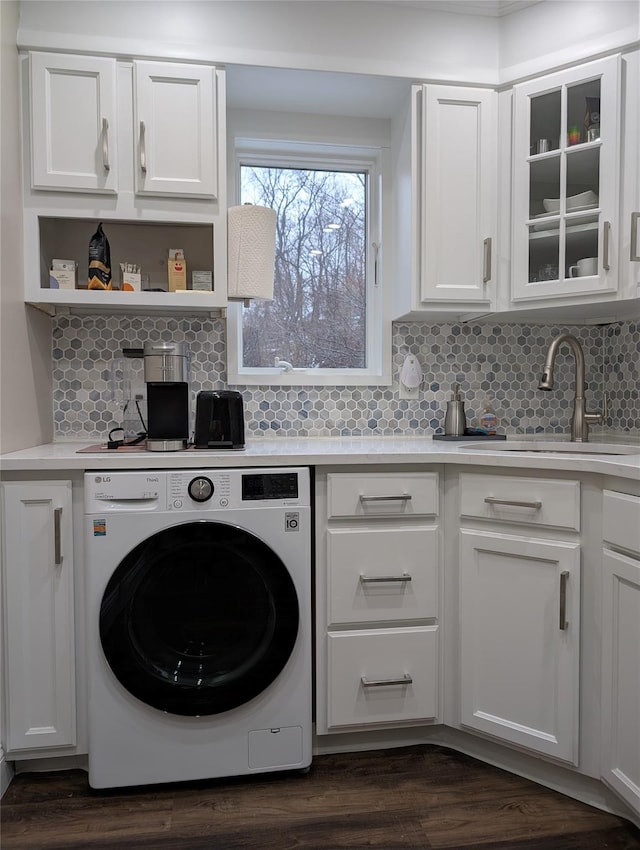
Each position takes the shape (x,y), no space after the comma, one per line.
(166,371)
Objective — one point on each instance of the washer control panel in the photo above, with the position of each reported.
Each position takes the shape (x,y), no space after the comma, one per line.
(196,490)
(210,488)
(201,489)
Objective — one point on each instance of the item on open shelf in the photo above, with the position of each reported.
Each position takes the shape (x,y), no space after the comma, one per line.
(99,261)
(202,281)
(62,274)
(130,277)
(177,268)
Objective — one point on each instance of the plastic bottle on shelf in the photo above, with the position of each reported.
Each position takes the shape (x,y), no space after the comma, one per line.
(488,418)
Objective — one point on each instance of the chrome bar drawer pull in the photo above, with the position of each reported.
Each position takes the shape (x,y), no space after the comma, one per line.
(606,237)
(404,497)
(635,226)
(491,500)
(486,271)
(143,148)
(564,578)
(405,679)
(57,536)
(105,145)
(369,579)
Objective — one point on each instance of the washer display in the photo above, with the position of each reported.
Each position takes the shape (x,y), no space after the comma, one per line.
(199,624)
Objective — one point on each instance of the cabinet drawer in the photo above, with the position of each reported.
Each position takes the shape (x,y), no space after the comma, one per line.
(527,501)
(387,494)
(621,520)
(382,676)
(382,574)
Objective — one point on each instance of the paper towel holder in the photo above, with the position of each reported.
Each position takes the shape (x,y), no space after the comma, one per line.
(251,249)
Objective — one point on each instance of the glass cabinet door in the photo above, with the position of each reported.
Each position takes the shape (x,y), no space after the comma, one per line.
(566,143)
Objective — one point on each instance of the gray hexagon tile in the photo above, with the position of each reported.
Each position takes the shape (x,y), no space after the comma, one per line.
(499,362)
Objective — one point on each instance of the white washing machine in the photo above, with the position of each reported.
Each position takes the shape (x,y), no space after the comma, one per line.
(199,623)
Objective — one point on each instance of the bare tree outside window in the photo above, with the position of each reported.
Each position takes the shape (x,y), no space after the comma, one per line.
(317,318)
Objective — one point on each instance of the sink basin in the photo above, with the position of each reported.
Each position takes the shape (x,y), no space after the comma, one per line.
(552,447)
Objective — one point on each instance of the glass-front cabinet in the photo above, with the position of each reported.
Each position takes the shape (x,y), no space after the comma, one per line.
(566,178)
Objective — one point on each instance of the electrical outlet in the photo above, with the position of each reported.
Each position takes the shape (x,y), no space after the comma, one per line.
(408,392)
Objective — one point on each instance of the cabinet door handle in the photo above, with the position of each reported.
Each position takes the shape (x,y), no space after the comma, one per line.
(635,226)
(105,145)
(486,269)
(403,497)
(371,579)
(143,148)
(57,536)
(405,679)
(606,236)
(492,500)
(564,578)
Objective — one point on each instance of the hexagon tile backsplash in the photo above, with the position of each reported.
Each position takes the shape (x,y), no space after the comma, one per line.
(500,362)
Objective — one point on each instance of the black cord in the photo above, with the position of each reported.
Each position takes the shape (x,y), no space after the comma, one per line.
(144,424)
(115,444)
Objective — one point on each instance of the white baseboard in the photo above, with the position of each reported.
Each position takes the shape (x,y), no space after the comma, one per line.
(6,773)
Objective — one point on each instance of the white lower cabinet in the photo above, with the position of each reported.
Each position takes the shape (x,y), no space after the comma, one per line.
(621,646)
(520,618)
(377,600)
(37,555)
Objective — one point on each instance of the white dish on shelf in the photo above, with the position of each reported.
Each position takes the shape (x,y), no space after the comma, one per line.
(552,220)
(583,209)
(573,202)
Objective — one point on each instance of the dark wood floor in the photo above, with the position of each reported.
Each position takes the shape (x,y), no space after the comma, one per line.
(415,797)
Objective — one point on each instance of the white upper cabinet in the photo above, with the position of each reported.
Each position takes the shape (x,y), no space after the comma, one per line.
(630,224)
(175,129)
(76,102)
(457,193)
(73,123)
(566,160)
(453,201)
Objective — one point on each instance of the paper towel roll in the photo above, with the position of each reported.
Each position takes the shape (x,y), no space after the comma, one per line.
(251,251)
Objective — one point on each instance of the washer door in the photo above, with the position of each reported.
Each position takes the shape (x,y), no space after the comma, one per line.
(199,619)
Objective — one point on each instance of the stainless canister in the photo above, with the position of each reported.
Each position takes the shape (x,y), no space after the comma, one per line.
(455,420)
(165,362)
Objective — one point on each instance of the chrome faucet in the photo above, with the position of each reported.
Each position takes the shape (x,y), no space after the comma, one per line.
(581,419)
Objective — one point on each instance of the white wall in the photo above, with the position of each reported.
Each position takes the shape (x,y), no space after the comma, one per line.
(557,32)
(384,38)
(26,409)
(356,37)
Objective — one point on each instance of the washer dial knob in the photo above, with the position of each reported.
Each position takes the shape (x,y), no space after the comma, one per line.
(200,489)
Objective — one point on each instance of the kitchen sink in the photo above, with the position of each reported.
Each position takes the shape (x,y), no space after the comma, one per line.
(552,447)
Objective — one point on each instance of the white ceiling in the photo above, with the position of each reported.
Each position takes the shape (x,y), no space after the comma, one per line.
(492,8)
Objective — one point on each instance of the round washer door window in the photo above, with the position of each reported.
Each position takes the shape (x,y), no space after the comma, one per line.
(199,618)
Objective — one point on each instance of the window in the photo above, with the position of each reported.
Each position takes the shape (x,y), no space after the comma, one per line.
(325,323)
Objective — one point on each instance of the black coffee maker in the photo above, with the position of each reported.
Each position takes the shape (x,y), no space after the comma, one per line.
(166,370)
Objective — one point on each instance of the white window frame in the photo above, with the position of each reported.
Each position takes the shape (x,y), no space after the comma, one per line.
(375,161)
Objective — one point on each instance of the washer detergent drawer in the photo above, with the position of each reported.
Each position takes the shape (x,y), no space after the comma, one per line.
(382,676)
(382,574)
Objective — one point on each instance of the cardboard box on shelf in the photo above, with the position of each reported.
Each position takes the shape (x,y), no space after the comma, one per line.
(202,281)
(62,279)
(177,270)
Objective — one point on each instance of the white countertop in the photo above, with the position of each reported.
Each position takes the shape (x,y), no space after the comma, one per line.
(329,451)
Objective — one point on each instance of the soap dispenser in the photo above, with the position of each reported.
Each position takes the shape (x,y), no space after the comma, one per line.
(455,420)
